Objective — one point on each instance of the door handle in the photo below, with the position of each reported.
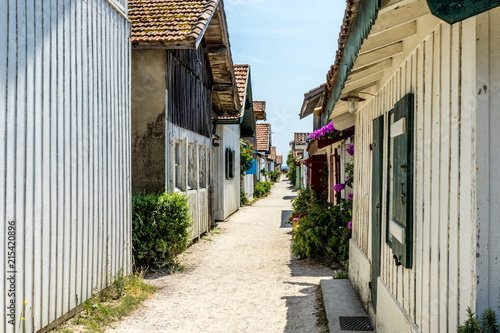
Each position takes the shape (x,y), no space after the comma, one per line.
(402,194)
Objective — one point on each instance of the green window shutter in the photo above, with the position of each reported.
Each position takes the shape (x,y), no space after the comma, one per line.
(400,181)
(228,158)
(377,190)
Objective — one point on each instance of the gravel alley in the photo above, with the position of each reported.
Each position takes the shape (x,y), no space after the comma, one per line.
(239,278)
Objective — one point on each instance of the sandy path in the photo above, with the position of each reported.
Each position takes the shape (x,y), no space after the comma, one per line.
(241,278)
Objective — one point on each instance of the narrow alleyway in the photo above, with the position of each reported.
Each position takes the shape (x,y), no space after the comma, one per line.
(240,278)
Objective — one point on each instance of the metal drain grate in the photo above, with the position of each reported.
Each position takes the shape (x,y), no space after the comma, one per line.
(356,323)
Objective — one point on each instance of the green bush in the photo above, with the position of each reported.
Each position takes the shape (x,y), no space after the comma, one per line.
(303,202)
(487,324)
(290,162)
(160,229)
(243,199)
(262,189)
(324,233)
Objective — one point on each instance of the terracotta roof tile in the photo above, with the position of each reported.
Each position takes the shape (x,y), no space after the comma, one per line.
(259,110)
(279,159)
(156,21)
(262,135)
(240,74)
(300,138)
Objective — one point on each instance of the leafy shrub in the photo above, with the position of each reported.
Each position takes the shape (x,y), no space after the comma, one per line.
(487,324)
(243,199)
(262,189)
(160,229)
(290,162)
(324,233)
(303,202)
(247,150)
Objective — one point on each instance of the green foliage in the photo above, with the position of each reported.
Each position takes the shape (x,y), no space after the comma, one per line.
(243,199)
(487,324)
(262,189)
(124,295)
(303,202)
(160,229)
(290,162)
(323,234)
(275,175)
(247,150)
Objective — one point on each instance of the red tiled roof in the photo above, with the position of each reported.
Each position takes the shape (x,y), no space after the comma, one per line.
(279,159)
(300,138)
(156,21)
(350,13)
(262,135)
(259,110)
(259,106)
(241,73)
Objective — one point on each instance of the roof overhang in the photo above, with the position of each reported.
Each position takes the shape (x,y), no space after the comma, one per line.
(312,100)
(214,34)
(378,53)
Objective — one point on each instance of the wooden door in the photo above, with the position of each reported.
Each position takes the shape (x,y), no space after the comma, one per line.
(377,184)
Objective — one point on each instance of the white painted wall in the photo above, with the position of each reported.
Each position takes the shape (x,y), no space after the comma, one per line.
(200,200)
(65,152)
(249,186)
(455,149)
(227,191)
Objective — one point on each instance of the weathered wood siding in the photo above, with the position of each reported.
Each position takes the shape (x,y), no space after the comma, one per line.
(65,152)
(440,71)
(195,174)
(227,191)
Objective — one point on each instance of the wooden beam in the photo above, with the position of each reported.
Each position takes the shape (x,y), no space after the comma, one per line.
(369,70)
(399,15)
(222,87)
(389,36)
(386,3)
(216,49)
(364,81)
(378,55)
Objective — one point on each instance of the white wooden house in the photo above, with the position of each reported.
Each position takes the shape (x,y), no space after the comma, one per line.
(230,130)
(65,152)
(423,95)
(182,75)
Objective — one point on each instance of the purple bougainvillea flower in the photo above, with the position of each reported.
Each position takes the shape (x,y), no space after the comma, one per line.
(350,196)
(338,187)
(350,150)
(349,225)
(295,219)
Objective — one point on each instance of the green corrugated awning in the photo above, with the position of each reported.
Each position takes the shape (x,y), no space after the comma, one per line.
(453,11)
(359,30)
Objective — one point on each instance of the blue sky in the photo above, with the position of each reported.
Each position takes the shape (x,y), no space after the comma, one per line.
(290,46)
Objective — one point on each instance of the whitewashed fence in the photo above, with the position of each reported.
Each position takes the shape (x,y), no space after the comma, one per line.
(64,155)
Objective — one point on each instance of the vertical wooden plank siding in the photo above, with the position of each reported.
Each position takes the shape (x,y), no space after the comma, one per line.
(65,124)
(441,74)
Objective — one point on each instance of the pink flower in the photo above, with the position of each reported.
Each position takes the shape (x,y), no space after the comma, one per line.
(349,225)
(338,187)
(295,219)
(350,150)
(350,196)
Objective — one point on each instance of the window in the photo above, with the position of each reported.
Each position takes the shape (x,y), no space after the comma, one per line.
(229,163)
(179,172)
(203,165)
(193,174)
(400,181)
